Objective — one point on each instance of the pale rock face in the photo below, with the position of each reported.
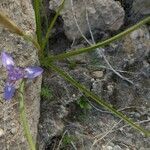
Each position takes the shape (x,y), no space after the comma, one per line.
(102,14)
(142,6)
(24,54)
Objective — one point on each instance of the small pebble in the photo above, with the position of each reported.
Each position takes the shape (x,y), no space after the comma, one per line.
(98,74)
(1,132)
(110,88)
(73,95)
(13,130)
(117,147)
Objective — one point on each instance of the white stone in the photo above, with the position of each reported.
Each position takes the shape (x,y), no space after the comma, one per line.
(98,74)
(1,132)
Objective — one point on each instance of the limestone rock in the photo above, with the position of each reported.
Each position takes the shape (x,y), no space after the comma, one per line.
(24,54)
(142,6)
(102,14)
(137,43)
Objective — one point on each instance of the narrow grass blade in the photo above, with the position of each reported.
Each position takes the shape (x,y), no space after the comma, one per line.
(100,44)
(23,118)
(37,6)
(46,23)
(52,24)
(10,25)
(97,99)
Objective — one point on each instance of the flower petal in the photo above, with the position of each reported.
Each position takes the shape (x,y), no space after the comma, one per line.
(7,60)
(9,91)
(32,72)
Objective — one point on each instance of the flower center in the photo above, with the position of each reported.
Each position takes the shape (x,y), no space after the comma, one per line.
(15,73)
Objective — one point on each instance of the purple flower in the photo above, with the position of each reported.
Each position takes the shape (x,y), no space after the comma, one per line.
(16,73)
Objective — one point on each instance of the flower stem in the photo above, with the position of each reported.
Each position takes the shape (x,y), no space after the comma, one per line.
(23,118)
(100,44)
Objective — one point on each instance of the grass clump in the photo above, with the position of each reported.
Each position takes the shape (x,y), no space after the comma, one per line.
(68,139)
(83,103)
(46,93)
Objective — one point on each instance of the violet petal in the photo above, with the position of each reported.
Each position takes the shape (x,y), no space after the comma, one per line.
(32,72)
(7,60)
(9,91)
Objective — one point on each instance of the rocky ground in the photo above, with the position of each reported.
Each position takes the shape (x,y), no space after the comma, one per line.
(118,73)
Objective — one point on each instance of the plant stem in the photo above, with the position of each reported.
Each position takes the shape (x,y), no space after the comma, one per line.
(23,118)
(98,100)
(52,24)
(100,44)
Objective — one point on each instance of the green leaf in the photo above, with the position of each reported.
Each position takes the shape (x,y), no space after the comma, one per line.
(37,11)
